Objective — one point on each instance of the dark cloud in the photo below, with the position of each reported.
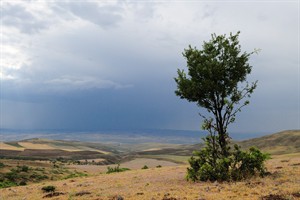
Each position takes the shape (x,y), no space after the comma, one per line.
(111,65)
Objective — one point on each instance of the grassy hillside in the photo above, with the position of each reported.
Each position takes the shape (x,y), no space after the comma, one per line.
(284,142)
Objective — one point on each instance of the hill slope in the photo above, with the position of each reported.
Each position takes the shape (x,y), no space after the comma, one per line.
(279,143)
(284,142)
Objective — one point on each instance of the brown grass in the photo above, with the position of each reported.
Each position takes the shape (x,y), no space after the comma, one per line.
(170,183)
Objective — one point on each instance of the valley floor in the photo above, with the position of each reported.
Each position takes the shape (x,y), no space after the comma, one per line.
(168,183)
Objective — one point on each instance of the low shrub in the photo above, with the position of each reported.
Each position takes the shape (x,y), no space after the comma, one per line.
(2,165)
(24,168)
(116,169)
(238,165)
(74,175)
(6,184)
(23,183)
(145,167)
(38,177)
(12,176)
(48,188)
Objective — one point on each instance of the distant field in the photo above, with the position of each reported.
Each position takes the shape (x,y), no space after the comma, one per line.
(92,160)
(285,142)
(10,147)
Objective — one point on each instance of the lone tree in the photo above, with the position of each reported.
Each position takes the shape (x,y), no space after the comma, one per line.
(216,81)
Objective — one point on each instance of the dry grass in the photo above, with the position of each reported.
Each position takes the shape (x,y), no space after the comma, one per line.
(167,183)
(133,165)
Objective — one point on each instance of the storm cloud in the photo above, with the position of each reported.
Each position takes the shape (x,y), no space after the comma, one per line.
(110,64)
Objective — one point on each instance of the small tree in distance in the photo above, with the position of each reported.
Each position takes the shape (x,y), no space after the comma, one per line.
(217,82)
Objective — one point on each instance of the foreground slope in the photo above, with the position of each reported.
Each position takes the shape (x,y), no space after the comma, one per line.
(168,183)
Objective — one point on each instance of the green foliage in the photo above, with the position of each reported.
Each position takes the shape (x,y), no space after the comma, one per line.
(48,188)
(6,184)
(116,169)
(20,175)
(238,165)
(12,176)
(38,177)
(74,175)
(2,165)
(145,167)
(23,168)
(248,164)
(158,166)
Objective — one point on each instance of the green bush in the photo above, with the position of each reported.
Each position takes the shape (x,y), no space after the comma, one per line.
(49,188)
(12,176)
(145,167)
(2,165)
(6,183)
(38,177)
(237,166)
(24,168)
(116,169)
(74,175)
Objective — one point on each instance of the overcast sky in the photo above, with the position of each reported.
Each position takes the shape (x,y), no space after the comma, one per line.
(94,65)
